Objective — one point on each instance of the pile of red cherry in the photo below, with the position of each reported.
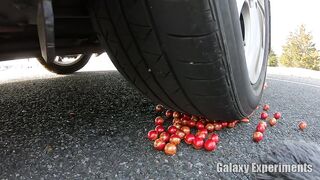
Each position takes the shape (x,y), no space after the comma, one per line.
(183,126)
(262,125)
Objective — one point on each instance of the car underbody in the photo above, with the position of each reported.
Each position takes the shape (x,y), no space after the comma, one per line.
(45,28)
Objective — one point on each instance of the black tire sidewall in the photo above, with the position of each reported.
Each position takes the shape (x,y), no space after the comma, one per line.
(247,95)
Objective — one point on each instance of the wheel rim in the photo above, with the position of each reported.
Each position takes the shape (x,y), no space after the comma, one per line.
(253,27)
(67,60)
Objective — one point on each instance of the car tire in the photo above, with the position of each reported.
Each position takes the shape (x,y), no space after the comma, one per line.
(66,69)
(188,54)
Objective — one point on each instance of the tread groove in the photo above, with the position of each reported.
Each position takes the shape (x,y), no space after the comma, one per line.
(159,59)
(190,36)
(138,25)
(197,63)
(209,80)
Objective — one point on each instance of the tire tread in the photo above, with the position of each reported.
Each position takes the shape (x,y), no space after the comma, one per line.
(160,60)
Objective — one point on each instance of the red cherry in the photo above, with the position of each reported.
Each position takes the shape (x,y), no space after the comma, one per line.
(189,138)
(169,113)
(165,136)
(224,124)
(266,107)
(302,125)
(172,129)
(261,128)
(209,145)
(159,129)
(277,115)
(159,108)
(214,137)
(184,121)
(257,136)
(170,149)
(194,118)
(180,133)
(176,120)
(176,114)
(152,135)
(159,144)
(177,125)
(245,120)
(191,123)
(175,139)
(201,135)
(185,129)
(210,127)
(159,120)
(204,121)
(263,124)
(186,116)
(264,115)
(232,124)
(198,143)
(203,130)
(218,127)
(272,121)
(199,125)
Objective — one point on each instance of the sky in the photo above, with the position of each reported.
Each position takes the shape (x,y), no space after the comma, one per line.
(287,15)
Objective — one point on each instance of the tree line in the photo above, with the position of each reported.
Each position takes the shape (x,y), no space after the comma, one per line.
(299,51)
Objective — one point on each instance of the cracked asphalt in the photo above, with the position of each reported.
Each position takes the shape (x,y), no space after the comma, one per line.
(106,136)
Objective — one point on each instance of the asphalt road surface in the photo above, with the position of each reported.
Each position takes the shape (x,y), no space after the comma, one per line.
(107,136)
